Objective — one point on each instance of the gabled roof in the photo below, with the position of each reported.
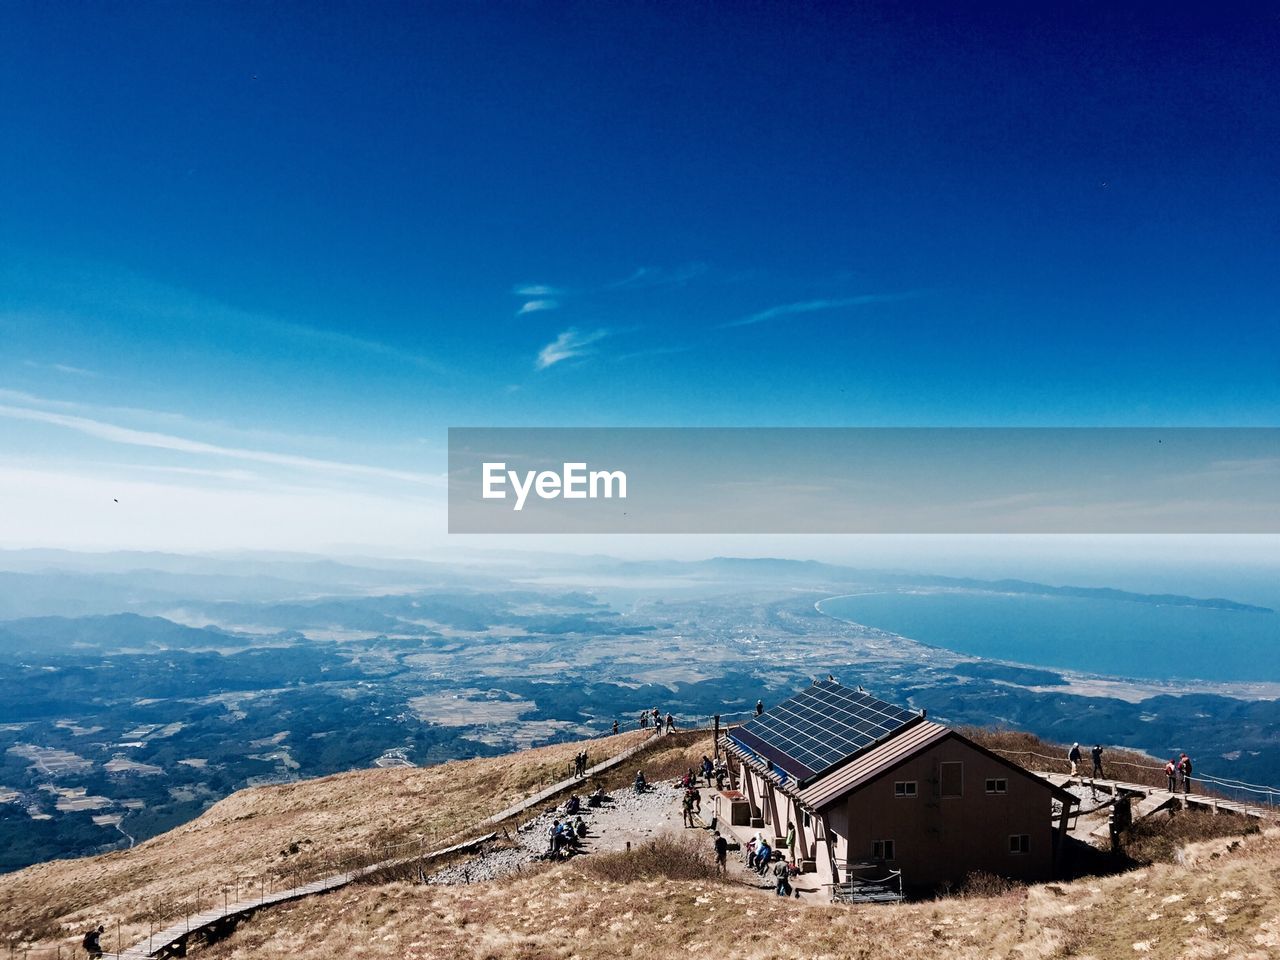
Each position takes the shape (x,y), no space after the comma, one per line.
(821,728)
(849,737)
(888,754)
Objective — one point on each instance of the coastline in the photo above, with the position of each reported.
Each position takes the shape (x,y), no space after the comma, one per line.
(1081,682)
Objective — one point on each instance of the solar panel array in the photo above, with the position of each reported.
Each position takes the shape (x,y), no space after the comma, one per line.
(820,727)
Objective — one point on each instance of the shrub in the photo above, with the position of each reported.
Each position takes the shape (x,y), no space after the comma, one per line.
(670,858)
(1157,839)
(980,884)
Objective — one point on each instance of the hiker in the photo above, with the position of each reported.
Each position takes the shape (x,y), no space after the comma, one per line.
(687,806)
(580,828)
(1073,757)
(640,784)
(764,853)
(706,769)
(1096,753)
(568,837)
(615,727)
(671,723)
(721,772)
(783,874)
(92,942)
(791,841)
(596,797)
(722,853)
(572,805)
(553,838)
(750,850)
(1184,773)
(1171,772)
(657,718)
(759,707)
(697,798)
(644,721)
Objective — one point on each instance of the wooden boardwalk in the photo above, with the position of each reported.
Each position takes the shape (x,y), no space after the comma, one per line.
(1156,798)
(172,940)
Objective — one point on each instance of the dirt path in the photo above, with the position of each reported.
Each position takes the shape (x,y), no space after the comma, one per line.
(625,818)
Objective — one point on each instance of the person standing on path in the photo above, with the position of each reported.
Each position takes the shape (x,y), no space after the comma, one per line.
(759,707)
(615,727)
(791,842)
(1171,772)
(1184,773)
(782,873)
(1073,757)
(92,942)
(1096,753)
(722,853)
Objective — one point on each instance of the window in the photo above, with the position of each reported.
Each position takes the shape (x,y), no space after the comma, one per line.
(882,850)
(997,786)
(904,788)
(804,818)
(951,778)
(1019,843)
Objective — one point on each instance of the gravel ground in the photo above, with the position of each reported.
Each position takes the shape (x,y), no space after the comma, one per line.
(625,818)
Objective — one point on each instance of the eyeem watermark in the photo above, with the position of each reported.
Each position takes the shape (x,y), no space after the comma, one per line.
(573,482)
(864,480)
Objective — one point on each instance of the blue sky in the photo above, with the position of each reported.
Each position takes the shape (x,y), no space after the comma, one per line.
(256,256)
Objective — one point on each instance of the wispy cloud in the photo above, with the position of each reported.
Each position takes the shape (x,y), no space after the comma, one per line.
(92,292)
(537,306)
(642,278)
(813,306)
(346,341)
(646,277)
(62,368)
(114,433)
(569,344)
(170,419)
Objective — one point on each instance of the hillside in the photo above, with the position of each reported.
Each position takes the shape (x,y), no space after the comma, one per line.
(1221,899)
(1220,902)
(276,835)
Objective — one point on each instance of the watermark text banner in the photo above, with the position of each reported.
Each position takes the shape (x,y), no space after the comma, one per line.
(864,480)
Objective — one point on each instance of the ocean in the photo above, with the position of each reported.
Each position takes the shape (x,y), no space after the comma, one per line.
(1115,637)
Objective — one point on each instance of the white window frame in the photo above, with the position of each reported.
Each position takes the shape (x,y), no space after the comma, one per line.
(906,789)
(997,785)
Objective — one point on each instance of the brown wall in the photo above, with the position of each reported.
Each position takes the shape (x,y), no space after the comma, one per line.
(938,838)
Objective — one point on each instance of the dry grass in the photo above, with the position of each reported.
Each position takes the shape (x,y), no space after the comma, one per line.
(1220,899)
(1220,903)
(275,836)
(667,857)
(1161,837)
(1118,763)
